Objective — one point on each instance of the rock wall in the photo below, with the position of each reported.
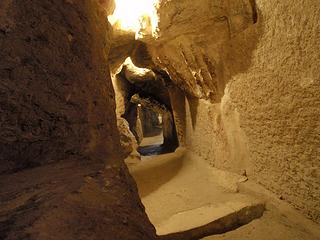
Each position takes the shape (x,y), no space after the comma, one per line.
(266,121)
(55,92)
(191,38)
(278,103)
(57,106)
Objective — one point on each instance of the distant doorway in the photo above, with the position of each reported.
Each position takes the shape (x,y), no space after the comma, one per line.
(152,128)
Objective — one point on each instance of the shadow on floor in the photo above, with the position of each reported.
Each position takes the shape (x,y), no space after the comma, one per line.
(151,150)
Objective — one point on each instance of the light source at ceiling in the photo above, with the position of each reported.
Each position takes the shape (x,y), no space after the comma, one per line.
(134,15)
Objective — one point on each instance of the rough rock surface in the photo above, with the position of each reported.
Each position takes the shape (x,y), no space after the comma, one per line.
(121,47)
(278,103)
(191,36)
(127,139)
(255,68)
(58,127)
(56,98)
(71,200)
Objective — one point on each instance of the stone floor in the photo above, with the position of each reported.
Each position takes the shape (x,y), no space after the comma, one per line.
(182,194)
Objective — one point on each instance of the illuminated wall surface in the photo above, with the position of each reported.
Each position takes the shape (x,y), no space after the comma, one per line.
(132,15)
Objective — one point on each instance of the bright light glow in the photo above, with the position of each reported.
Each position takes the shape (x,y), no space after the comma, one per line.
(134,15)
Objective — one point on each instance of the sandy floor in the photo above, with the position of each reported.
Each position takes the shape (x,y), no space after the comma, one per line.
(180,191)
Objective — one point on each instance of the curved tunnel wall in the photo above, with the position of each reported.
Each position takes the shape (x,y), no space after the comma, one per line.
(267,119)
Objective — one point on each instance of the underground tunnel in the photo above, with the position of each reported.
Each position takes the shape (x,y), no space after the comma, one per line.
(143,103)
(159,119)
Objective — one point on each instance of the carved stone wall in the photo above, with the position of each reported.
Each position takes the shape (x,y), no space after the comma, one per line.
(249,73)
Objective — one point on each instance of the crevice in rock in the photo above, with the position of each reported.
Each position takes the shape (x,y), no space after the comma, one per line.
(254,11)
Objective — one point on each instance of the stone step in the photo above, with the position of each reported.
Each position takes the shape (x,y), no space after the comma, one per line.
(209,220)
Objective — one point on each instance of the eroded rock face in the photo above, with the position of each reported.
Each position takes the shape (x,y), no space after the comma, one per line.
(132,117)
(127,139)
(137,75)
(278,103)
(192,36)
(122,46)
(253,86)
(57,106)
(56,94)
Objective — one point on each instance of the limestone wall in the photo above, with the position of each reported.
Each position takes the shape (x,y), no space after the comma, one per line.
(267,122)
(276,103)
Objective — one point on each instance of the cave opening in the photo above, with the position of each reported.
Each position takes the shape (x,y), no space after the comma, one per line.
(152,129)
(158,127)
(143,101)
